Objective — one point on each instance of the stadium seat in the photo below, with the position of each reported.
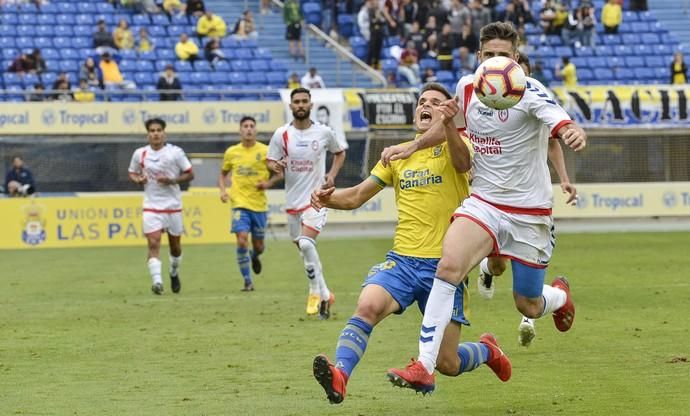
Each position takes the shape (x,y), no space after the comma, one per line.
(634,61)
(622,50)
(7,30)
(202,66)
(662,73)
(160,65)
(63,30)
(389,65)
(640,27)
(630,16)
(141,20)
(101,8)
(579,62)
(156,31)
(50,54)
(646,16)
(611,39)
(359,46)
(83,31)
(27,19)
(198,78)
(84,19)
(183,66)
(249,43)
(584,51)
(624,73)
(11,78)
(179,20)
(128,65)
(165,54)
(603,74)
(279,65)
(65,19)
(48,78)
(25,42)
(262,53)
(239,66)
(45,31)
(662,50)
(223,66)
(585,74)
(8,42)
(129,54)
(276,79)
(625,27)
(259,65)
(257,78)
(26,30)
(651,39)
(148,56)
(159,20)
(445,77)
(184,78)
(562,51)
(630,39)
(175,31)
(144,66)
(603,50)
(67,7)
(554,40)
(244,53)
(432,63)
(644,74)
(657,27)
(219,78)
(69,53)
(345,25)
(655,61)
(238,78)
(68,65)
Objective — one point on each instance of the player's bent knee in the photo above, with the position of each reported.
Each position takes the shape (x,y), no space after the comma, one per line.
(370,310)
(497,266)
(306,244)
(449,272)
(531,308)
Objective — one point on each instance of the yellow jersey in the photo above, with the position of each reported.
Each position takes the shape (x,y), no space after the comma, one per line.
(569,75)
(428,189)
(248,168)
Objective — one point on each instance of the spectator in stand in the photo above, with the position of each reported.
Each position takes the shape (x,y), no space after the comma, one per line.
(377,33)
(481,16)
(144,42)
(122,36)
(429,76)
(445,44)
(212,51)
(211,25)
(38,93)
(679,71)
(468,40)
(638,5)
(172,7)
(38,61)
(63,77)
(459,16)
(390,13)
(63,92)
(84,94)
(611,16)
(91,73)
(292,16)
(568,73)
(141,6)
(312,80)
(468,61)
(538,74)
(186,49)
(364,20)
(407,15)
(409,65)
(195,8)
(510,15)
(19,181)
(431,34)
(22,64)
(417,38)
(587,22)
(294,81)
(391,80)
(245,28)
(103,40)
(168,83)
(328,16)
(111,73)
(265,7)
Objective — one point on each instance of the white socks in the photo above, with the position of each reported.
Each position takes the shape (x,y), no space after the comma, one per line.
(175,264)
(554,298)
(439,309)
(312,265)
(484,266)
(155,270)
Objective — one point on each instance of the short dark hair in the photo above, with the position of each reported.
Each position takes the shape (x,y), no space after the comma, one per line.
(499,30)
(524,59)
(435,86)
(300,90)
(151,121)
(247,118)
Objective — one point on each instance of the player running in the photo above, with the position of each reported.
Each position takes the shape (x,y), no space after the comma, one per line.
(491,267)
(161,167)
(508,212)
(245,165)
(428,187)
(299,150)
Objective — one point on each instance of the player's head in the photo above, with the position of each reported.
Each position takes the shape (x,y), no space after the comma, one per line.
(300,103)
(17,162)
(523,60)
(247,128)
(323,115)
(430,99)
(497,39)
(155,132)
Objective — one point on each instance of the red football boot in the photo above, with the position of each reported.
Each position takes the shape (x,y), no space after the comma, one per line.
(565,315)
(498,361)
(332,379)
(414,376)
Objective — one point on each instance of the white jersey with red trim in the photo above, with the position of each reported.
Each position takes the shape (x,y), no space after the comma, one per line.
(510,149)
(169,161)
(305,154)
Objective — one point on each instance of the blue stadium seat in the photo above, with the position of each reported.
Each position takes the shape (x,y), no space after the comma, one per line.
(359,46)
(262,53)
(165,54)
(7,30)
(48,78)
(662,50)
(43,42)
(223,66)
(129,54)
(624,74)
(603,50)
(622,50)
(219,78)
(50,54)
(65,19)
(584,51)
(160,65)
(625,27)
(445,77)
(144,66)
(239,66)
(257,78)
(238,78)
(651,39)
(102,8)
(82,42)
(68,65)
(259,65)
(85,19)
(630,16)
(389,65)
(646,16)
(276,79)
(67,7)
(249,43)
(184,78)
(25,42)
(49,8)
(176,31)
(148,56)
(87,8)
(657,27)
(27,19)
(630,39)
(183,66)
(585,74)
(128,65)
(69,53)
(10,8)
(666,38)
(202,66)
(109,19)
(611,39)
(156,31)
(602,74)
(640,27)
(313,18)
(655,61)
(26,30)
(562,51)
(644,74)
(244,53)
(141,20)
(7,42)
(662,73)
(198,78)
(31,79)
(641,50)
(579,62)
(279,65)
(554,40)
(45,30)
(432,63)
(11,78)
(63,30)
(345,25)
(634,61)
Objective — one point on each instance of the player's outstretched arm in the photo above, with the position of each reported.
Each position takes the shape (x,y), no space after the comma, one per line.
(348,198)
(574,136)
(558,161)
(459,152)
(222,185)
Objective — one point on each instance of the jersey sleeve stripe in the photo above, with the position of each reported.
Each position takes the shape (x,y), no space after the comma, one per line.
(285,142)
(469,90)
(187,171)
(143,157)
(554,131)
(378,181)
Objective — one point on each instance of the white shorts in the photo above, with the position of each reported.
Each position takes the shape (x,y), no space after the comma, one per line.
(310,218)
(526,238)
(170,222)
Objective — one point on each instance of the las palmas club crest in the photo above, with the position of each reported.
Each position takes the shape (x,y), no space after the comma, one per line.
(33,232)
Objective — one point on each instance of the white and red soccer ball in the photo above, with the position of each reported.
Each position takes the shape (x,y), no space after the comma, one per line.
(499,82)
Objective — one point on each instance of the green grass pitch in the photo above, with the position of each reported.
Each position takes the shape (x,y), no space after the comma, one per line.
(81,334)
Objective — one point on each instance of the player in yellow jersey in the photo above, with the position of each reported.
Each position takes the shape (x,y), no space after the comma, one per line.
(244,164)
(427,186)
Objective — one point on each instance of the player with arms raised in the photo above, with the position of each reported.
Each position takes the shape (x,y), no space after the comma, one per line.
(299,150)
(509,210)
(160,167)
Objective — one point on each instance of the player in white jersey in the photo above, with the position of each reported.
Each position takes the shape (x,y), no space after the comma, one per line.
(299,150)
(509,210)
(494,266)
(160,167)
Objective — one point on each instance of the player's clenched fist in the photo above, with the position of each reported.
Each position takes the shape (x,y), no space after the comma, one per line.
(574,136)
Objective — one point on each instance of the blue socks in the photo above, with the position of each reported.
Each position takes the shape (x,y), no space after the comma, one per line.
(352,344)
(243,261)
(472,355)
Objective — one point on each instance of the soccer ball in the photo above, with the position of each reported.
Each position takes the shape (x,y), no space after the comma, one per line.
(499,82)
